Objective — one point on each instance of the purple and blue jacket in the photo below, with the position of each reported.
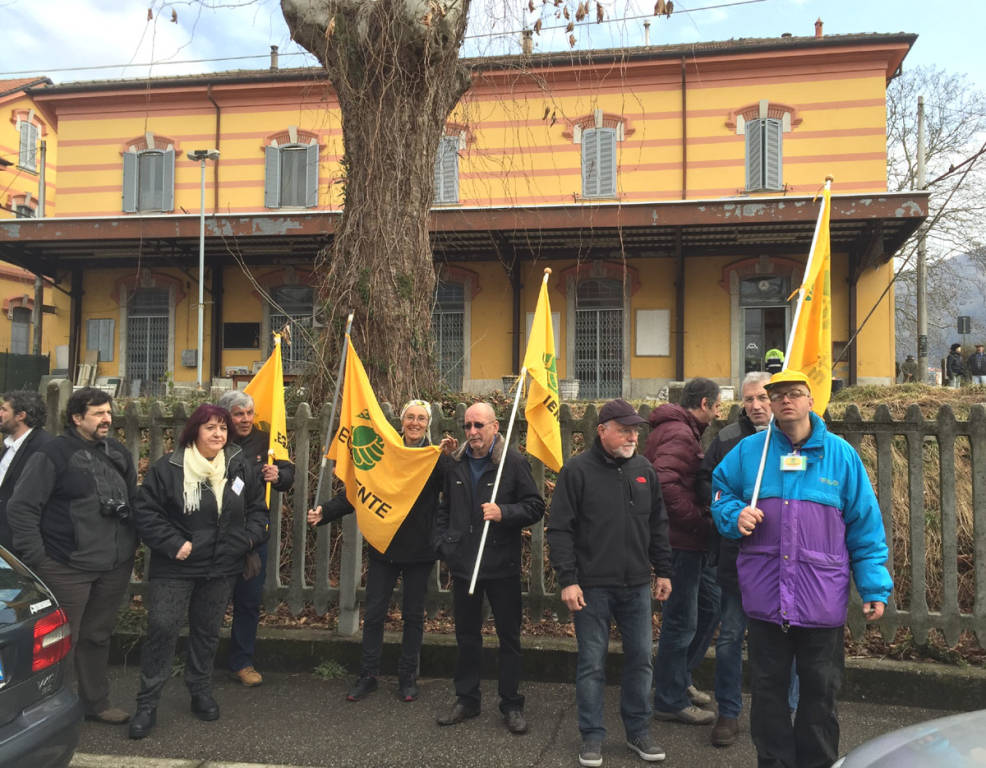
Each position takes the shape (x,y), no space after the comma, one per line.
(818,524)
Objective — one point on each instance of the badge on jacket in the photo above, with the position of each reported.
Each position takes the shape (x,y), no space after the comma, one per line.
(793,462)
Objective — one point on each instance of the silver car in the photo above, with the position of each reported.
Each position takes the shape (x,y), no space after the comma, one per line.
(958,741)
(40,715)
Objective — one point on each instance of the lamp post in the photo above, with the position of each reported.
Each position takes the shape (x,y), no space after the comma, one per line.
(201,155)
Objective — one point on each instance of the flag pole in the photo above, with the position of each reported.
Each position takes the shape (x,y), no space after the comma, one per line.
(332,415)
(496,482)
(790,340)
(270,441)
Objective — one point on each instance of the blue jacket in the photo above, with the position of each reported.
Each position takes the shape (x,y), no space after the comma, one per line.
(818,523)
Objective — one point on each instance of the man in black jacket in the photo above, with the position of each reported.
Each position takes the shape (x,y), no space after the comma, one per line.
(72,523)
(254,442)
(729,645)
(466,503)
(608,528)
(22,416)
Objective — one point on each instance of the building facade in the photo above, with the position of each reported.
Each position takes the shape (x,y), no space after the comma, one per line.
(670,188)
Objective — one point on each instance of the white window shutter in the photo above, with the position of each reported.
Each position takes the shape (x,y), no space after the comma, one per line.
(168,180)
(606,140)
(450,170)
(272,177)
(28,145)
(590,169)
(772,154)
(311,176)
(130,163)
(754,155)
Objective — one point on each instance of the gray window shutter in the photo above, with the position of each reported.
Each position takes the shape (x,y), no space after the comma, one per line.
(130,163)
(168,180)
(311,176)
(754,155)
(590,168)
(28,146)
(606,152)
(447,170)
(272,177)
(772,154)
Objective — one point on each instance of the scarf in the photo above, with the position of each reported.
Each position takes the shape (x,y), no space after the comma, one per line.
(198,470)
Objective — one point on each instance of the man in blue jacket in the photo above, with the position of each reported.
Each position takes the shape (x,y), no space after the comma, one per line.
(815,519)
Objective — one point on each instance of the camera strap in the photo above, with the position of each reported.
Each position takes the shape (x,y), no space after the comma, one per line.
(102,452)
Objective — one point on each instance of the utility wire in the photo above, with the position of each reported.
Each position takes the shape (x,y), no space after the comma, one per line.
(511,33)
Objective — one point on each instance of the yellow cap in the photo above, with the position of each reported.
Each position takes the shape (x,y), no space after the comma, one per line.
(788,376)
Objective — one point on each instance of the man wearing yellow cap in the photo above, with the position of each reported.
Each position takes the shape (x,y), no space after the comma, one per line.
(816,519)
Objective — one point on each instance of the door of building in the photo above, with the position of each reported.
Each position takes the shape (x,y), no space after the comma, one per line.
(766,318)
(147,340)
(599,339)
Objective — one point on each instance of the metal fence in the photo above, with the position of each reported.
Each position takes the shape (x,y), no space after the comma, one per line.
(22,371)
(921,457)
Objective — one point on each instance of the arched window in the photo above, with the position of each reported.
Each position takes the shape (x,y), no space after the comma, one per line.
(291,170)
(149,175)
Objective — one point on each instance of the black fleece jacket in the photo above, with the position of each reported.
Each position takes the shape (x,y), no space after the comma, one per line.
(220,542)
(607,526)
(254,447)
(459,520)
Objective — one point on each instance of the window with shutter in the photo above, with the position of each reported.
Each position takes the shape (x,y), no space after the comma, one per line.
(149,180)
(28,155)
(20,331)
(99,336)
(763,154)
(447,170)
(291,176)
(599,162)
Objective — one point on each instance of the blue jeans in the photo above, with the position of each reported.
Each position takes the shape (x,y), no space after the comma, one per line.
(729,654)
(246,615)
(631,607)
(690,617)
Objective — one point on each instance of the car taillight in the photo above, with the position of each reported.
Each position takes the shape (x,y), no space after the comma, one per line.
(52,640)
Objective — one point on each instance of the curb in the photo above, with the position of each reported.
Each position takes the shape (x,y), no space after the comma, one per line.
(84,760)
(552,660)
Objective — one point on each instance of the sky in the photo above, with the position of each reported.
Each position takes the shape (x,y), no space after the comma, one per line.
(115,38)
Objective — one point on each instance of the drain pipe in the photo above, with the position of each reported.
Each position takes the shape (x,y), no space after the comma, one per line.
(215,164)
(684,135)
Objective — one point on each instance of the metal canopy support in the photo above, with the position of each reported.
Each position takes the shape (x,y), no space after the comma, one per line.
(75,327)
(216,348)
(679,303)
(853,314)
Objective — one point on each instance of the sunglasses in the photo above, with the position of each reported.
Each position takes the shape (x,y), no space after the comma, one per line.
(467,425)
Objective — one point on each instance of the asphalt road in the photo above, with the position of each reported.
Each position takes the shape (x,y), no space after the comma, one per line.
(297,719)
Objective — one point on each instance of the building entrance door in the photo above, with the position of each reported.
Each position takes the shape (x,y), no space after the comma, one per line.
(766,317)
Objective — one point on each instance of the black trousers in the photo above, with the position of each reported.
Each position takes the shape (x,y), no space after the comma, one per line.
(169,602)
(381,577)
(504,598)
(813,740)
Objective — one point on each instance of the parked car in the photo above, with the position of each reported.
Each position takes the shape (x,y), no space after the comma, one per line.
(40,715)
(958,741)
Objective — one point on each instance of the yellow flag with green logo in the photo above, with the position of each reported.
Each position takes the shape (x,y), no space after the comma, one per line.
(543,429)
(383,477)
(267,390)
(810,349)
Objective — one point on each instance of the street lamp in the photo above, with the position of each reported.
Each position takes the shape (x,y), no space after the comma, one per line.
(201,155)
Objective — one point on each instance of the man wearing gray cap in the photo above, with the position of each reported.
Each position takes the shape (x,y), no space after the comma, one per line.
(607,530)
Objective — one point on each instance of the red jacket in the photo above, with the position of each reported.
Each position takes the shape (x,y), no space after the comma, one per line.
(674,447)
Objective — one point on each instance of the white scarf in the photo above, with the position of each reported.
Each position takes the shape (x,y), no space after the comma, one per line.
(198,470)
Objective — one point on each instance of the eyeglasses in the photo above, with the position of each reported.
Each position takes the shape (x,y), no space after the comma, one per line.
(797,394)
(467,425)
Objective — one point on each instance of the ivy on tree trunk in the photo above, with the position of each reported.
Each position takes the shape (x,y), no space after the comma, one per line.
(396,73)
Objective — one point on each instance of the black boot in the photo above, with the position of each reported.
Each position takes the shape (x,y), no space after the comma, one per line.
(204,707)
(142,722)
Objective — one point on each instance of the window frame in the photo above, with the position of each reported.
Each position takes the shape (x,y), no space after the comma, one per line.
(274,175)
(446,171)
(29,134)
(132,186)
(764,154)
(598,177)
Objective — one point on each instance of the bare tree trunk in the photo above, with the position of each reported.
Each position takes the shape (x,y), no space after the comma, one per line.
(396,72)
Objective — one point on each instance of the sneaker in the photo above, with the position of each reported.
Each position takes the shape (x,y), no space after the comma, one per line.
(724,732)
(248,676)
(698,698)
(645,746)
(364,686)
(690,715)
(591,754)
(407,689)
(109,716)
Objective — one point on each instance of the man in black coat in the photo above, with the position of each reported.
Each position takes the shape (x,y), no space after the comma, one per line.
(729,645)
(22,418)
(607,533)
(247,592)
(466,503)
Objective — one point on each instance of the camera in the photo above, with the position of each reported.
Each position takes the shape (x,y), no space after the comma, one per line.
(114,508)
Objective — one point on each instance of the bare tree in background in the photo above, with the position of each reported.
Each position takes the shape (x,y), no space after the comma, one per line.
(955,129)
(394,66)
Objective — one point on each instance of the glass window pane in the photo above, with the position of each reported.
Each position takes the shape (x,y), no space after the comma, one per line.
(150,181)
(293,170)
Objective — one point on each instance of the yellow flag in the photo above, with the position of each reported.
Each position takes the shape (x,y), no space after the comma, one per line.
(543,430)
(811,339)
(267,391)
(383,477)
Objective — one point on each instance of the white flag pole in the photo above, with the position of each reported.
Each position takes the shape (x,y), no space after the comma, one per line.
(790,339)
(496,483)
(332,416)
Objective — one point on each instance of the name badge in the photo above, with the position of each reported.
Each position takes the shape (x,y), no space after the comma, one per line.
(237,486)
(793,462)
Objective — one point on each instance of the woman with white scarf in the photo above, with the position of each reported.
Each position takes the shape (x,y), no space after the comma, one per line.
(200,510)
